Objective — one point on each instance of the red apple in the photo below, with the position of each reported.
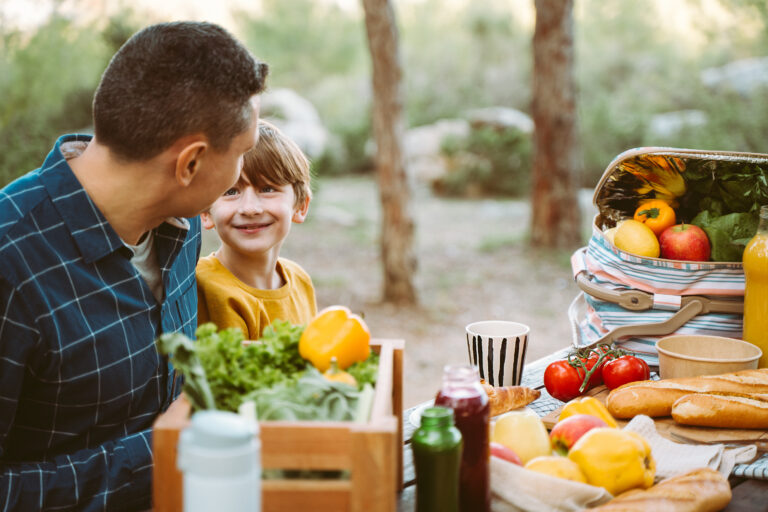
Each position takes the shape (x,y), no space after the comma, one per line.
(684,242)
(502,452)
(566,432)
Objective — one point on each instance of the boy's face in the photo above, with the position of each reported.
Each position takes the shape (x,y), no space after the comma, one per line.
(254,219)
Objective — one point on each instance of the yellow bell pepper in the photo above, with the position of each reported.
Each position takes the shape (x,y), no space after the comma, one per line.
(336,374)
(588,405)
(616,460)
(335,332)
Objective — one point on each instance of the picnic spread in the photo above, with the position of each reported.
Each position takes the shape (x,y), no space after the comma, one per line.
(660,402)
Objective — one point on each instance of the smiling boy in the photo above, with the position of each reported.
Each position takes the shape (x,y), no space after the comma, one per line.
(245,283)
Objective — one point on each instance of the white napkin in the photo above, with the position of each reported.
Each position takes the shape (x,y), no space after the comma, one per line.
(514,489)
(677,458)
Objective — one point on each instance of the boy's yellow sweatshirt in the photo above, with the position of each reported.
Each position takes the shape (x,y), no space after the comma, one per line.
(228,302)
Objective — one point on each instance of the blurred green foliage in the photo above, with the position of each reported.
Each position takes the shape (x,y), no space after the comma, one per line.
(489,162)
(633,60)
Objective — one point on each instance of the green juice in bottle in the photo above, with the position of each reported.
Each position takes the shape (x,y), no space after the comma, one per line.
(437,447)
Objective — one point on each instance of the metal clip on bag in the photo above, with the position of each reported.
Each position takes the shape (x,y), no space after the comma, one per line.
(636,300)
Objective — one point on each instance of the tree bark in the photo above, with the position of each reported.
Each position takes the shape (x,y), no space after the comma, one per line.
(397,226)
(556,219)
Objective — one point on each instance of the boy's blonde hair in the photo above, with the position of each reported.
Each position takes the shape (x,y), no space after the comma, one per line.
(276,159)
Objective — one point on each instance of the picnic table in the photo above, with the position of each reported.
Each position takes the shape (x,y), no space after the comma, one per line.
(749,482)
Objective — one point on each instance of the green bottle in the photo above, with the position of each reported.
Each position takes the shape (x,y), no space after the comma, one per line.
(437,446)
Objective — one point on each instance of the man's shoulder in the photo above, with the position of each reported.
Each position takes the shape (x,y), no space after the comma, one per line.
(18,199)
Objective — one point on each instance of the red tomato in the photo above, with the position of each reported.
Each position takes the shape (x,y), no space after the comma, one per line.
(597,376)
(563,380)
(625,369)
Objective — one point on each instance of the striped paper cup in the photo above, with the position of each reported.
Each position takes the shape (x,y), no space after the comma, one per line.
(498,349)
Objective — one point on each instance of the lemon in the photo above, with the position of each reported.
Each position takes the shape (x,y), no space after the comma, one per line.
(636,238)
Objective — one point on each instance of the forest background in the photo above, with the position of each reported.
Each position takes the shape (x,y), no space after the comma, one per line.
(702,64)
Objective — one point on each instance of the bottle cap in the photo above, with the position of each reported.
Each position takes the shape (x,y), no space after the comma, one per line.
(437,417)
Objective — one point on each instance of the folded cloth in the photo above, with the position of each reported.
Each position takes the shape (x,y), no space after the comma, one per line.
(515,489)
(674,459)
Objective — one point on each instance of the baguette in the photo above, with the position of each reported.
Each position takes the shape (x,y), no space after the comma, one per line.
(700,490)
(507,398)
(655,398)
(725,411)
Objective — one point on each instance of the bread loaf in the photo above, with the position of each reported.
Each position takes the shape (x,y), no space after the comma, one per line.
(726,411)
(655,398)
(507,398)
(700,490)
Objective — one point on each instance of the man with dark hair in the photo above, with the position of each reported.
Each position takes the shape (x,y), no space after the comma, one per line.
(98,250)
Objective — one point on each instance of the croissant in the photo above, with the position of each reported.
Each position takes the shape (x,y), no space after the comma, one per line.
(506,398)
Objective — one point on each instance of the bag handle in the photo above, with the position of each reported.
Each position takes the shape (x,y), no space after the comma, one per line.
(636,300)
(668,326)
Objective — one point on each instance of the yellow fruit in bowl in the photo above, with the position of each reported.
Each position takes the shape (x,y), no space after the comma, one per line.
(560,467)
(522,432)
(636,238)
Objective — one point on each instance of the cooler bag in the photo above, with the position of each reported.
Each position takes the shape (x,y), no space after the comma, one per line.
(634,300)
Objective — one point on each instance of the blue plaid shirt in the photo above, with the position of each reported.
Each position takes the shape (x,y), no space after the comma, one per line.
(80,378)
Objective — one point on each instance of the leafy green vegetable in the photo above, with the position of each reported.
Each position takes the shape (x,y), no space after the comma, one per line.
(312,397)
(234,369)
(723,187)
(221,372)
(365,372)
(728,234)
(184,356)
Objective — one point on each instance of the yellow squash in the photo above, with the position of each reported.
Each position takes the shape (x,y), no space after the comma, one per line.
(335,332)
(588,405)
(335,374)
(616,460)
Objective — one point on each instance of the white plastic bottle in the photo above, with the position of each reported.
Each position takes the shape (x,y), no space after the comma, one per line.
(220,456)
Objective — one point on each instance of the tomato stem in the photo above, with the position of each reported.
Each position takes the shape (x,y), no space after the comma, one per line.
(580,358)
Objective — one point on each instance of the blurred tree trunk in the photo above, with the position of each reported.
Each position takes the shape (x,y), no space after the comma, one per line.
(556,218)
(397,223)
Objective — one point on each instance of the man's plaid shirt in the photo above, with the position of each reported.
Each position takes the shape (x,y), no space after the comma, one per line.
(80,378)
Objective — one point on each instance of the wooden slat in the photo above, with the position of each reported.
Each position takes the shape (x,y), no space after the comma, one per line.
(305,495)
(398,347)
(374,467)
(305,445)
(382,400)
(166,491)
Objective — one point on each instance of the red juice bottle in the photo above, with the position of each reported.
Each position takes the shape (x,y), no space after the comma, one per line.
(463,393)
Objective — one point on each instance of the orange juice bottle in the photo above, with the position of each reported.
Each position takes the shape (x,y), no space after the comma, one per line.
(756,291)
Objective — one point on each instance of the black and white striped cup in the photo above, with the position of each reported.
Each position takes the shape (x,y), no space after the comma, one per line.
(498,349)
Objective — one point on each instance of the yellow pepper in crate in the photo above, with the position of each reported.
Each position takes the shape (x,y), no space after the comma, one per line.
(336,374)
(335,332)
(588,405)
(616,460)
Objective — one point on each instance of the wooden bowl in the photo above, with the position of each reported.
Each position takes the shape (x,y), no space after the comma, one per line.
(694,355)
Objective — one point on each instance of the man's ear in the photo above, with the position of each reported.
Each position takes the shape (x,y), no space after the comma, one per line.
(301,212)
(188,161)
(207,220)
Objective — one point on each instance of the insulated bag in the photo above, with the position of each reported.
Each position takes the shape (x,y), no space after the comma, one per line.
(634,300)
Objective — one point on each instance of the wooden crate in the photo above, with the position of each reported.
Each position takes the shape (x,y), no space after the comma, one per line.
(372,452)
